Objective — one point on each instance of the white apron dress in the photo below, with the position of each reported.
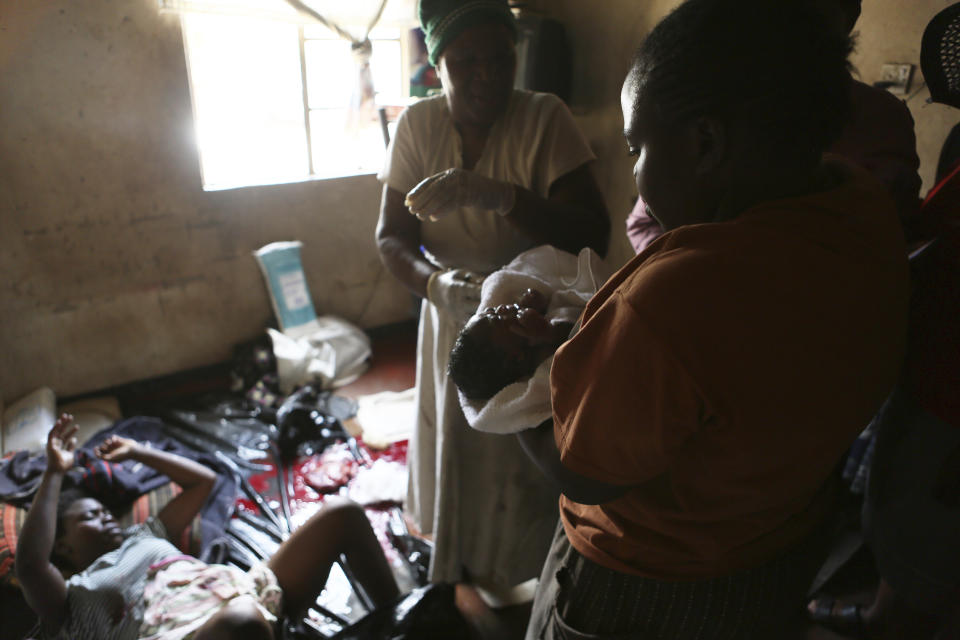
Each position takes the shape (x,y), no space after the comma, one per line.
(489,509)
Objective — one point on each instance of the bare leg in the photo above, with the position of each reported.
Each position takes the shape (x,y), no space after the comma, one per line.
(303,561)
(239,620)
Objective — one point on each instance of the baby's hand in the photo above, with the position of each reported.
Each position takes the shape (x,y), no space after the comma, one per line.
(534,299)
(532,325)
(61,441)
(116,449)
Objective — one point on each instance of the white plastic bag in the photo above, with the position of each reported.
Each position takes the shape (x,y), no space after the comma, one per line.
(332,352)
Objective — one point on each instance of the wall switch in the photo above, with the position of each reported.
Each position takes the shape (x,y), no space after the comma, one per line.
(895,77)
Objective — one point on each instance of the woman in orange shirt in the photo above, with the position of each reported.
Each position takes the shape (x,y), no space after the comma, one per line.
(717,379)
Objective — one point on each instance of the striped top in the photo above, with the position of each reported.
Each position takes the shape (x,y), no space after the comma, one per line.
(105,601)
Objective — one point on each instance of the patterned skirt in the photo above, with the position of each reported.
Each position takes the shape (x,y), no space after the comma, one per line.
(182,593)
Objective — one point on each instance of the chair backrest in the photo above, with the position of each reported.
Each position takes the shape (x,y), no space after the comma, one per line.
(940,56)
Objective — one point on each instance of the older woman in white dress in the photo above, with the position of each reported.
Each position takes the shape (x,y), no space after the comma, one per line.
(472,178)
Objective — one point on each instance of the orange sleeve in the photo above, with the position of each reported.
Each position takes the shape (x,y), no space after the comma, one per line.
(623,404)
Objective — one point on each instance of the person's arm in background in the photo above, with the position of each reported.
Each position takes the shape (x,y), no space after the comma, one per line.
(572,217)
(43,585)
(196,480)
(540,446)
(642,229)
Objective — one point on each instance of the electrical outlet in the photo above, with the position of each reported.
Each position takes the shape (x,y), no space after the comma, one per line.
(895,77)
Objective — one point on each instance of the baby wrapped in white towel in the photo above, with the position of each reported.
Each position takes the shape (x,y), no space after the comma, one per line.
(501,360)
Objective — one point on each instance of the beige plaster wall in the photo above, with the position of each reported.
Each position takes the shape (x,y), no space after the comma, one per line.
(116,265)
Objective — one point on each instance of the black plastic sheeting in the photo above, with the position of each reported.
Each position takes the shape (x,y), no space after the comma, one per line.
(241,434)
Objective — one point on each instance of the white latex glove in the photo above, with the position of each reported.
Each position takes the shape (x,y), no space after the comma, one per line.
(448,191)
(457,291)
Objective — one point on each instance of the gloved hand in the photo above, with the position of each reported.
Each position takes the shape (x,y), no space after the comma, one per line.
(446,192)
(457,291)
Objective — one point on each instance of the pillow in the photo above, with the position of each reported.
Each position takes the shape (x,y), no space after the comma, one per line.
(27,421)
(149,504)
(92,415)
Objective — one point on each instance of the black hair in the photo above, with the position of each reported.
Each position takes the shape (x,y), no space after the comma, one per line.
(67,497)
(772,67)
(480,370)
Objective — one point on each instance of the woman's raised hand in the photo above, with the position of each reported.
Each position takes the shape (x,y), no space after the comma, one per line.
(448,191)
(61,441)
(116,449)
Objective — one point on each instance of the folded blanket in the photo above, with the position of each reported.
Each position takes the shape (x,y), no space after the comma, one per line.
(569,281)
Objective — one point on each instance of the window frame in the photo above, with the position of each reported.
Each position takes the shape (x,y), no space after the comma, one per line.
(402,37)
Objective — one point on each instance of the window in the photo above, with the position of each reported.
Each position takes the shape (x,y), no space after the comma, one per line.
(272,99)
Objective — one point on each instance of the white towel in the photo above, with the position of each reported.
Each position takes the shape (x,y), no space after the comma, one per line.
(570,281)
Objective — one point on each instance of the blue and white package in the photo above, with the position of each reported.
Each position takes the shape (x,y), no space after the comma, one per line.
(289,294)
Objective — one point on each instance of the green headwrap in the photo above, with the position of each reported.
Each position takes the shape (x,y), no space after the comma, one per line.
(444,20)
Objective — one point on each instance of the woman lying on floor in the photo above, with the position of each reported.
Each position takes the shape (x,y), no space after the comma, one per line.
(135,583)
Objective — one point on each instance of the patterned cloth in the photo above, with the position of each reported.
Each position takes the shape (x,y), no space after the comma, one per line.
(182,593)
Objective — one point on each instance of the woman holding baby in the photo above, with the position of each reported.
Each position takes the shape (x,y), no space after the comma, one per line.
(474,177)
